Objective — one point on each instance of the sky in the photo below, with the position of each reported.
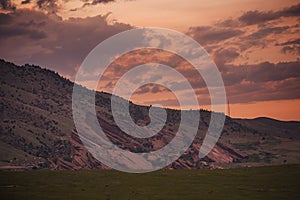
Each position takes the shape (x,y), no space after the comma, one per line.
(255,44)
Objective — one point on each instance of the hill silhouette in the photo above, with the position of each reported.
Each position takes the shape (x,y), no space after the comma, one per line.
(37,129)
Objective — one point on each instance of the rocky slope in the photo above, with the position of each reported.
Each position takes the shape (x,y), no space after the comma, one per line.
(37,129)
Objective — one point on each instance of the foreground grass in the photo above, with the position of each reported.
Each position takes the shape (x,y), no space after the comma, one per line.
(276,182)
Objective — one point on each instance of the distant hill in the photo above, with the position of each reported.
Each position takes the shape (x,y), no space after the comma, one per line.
(37,129)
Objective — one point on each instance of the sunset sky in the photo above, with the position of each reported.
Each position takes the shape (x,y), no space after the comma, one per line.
(254,43)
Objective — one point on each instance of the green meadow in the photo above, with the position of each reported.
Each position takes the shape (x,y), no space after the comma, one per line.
(274,182)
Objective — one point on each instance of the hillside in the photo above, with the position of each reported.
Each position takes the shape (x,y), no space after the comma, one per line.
(37,129)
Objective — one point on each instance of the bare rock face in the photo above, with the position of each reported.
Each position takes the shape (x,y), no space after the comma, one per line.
(80,157)
(224,154)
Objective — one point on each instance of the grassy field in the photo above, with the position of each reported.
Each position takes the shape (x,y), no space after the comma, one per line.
(276,182)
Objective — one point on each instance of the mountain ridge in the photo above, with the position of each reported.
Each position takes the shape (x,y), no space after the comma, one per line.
(37,129)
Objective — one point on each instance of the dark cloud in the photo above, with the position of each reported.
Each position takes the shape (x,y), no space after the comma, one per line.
(41,3)
(213,37)
(262,82)
(209,34)
(32,23)
(5,19)
(245,83)
(94,2)
(261,38)
(50,6)
(222,56)
(290,47)
(47,40)
(232,38)
(291,11)
(266,71)
(143,90)
(259,73)
(20,31)
(264,20)
(258,82)
(157,89)
(26,2)
(7,5)
(257,17)
(150,88)
(234,33)
(228,23)
(263,32)
(253,92)
(15,26)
